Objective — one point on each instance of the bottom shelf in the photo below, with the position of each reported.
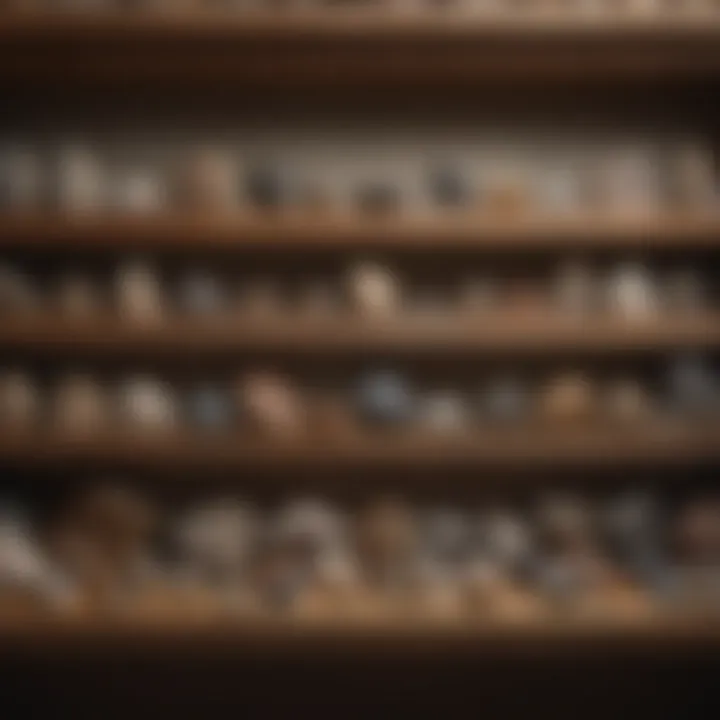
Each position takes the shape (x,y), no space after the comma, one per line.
(312,637)
(658,670)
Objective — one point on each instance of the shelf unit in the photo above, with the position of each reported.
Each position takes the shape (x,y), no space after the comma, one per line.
(357,50)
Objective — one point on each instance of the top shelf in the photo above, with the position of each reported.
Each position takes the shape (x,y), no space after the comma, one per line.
(341,46)
(332,22)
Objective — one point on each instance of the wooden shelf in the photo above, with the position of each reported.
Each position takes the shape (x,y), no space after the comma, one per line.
(318,636)
(531,447)
(346,46)
(308,232)
(249,24)
(491,333)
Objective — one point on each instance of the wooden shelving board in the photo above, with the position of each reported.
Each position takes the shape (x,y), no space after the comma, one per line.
(341,47)
(308,231)
(487,333)
(254,24)
(529,447)
(49,636)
